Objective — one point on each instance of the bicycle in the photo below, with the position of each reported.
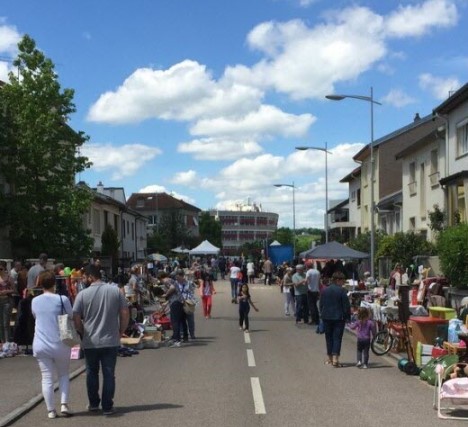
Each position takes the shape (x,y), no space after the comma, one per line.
(389,337)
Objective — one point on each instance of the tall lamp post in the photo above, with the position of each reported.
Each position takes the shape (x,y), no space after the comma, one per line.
(371,101)
(294,211)
(326,182)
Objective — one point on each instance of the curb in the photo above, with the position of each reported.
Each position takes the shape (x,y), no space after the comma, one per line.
(31,403)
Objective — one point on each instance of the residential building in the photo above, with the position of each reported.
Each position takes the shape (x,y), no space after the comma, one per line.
(154,206)
(108,207)
(245,225)
(388,174)
(454,113)
(423,165)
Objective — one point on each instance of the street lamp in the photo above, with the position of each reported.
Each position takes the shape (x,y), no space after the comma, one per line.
(371,101)
(294,212)
(326,182)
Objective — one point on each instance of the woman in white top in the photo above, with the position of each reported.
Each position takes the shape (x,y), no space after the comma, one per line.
(251,272)
(51,354)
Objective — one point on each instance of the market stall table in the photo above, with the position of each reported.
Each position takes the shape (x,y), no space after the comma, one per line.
(425,329)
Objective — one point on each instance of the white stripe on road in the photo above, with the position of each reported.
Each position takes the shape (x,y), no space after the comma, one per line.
(250,358)
(247,338)
(257,396)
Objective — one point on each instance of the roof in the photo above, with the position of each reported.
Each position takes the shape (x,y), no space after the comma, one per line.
(456,176)
(204,248)
(460,96)
(389,202)
(333,250)
(339,205)
(159,201)
(415,130)
(352,175)
(420,143)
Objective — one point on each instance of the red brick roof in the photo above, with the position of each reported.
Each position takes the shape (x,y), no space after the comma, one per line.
(159,201)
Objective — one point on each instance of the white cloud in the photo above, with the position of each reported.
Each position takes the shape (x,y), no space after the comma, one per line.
(267,121)
(9,39)
(398,98)
(219,148)
(154,188)
(419,19)
(189,178)
(439,87)
(185,91)
(121,161)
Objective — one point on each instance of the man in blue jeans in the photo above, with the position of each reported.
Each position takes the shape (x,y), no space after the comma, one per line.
(101,316)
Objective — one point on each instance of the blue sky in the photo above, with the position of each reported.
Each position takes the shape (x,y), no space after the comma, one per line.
(207,99)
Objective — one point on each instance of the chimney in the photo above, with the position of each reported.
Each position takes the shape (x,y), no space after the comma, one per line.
(100,188)
(417,117)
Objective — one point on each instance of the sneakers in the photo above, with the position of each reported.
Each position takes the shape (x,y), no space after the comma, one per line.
(109,411)
(359,364)
(65,410)
(92,408)
(175,344)
(364,366)
(52,414)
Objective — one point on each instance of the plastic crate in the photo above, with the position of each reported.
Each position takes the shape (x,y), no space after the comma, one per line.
(442,313)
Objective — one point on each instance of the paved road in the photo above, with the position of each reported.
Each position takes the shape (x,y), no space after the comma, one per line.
(274,376)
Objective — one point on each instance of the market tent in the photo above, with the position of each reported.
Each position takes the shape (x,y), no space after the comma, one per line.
(157,257)
(275,243)
(180,250)
(333,250)
(204,248)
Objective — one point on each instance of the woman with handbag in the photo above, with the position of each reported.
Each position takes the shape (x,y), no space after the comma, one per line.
(51,353)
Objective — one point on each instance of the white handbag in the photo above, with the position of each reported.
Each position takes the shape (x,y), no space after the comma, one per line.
(68,334)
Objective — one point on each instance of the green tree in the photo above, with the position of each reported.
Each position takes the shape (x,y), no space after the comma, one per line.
(284,235)
(110,245)
(171,232)
(43,208)
(402,247)
(452,247)
(437,219)
(210,229)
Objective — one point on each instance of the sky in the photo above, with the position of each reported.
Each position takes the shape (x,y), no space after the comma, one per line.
(207,99)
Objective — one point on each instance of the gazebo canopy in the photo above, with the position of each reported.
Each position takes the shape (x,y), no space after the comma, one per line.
(204,248)
(333,250)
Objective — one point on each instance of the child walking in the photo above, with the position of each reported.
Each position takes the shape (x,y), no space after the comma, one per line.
(207,291)
(244,307)
(365,331)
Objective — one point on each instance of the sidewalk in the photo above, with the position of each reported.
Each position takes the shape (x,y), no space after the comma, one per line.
(21,385)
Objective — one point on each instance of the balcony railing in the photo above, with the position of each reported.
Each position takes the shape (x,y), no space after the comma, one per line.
(434,178)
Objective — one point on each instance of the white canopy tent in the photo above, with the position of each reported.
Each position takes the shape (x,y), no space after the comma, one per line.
(204,248)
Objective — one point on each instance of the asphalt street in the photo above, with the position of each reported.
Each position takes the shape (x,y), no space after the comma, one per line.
(273,376)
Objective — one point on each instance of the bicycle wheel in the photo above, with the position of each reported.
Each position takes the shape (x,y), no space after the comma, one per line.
(382,343)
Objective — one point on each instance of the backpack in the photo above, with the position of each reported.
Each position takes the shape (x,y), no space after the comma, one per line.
(428,370)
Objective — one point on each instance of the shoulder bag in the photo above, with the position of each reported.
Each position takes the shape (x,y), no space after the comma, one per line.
(68,334)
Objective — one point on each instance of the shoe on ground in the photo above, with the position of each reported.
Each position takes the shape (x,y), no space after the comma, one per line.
(364,366)
(65,410)
(176,344)
(109,411)
(241,328)
(52,414)
(185,339)
(92,408)
(359,364)
(246,330)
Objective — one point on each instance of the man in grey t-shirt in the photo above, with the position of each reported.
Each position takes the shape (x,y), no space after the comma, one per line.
(101,316)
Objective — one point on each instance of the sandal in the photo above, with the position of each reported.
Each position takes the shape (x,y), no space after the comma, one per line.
(337,365)
(328,362)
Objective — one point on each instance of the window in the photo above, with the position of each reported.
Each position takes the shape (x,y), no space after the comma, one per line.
(96,221)
(397,222)
(358,196)
(140,203)
(462,138)
(434,173)
(412,223)
(353,196)
(412,179)
(133,231)
(461,201)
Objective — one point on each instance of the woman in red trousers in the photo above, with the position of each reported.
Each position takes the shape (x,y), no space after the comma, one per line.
(207,291)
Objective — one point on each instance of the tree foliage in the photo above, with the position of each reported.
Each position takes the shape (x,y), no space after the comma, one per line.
(42,207)
(210,229)
(452,247)
(402,247)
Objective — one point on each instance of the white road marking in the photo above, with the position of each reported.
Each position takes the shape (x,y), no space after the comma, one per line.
(250,358)
(257,396)
(247,338)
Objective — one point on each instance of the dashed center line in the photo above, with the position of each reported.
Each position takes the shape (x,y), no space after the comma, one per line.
(257,396)
(247,338)
(250,358)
